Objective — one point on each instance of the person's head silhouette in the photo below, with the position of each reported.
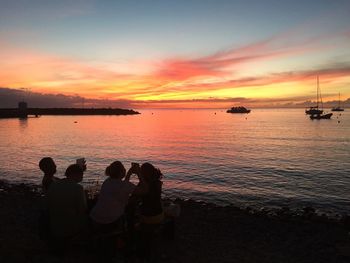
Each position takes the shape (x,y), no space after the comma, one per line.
(150,173)
(116,170)
(74,172)
(47,165)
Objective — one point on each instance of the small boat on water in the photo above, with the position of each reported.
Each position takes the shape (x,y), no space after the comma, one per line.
(239,109)
(314,110)
(338,108)
(321,116)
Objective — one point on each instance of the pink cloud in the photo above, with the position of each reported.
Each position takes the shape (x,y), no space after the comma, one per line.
(328,75)
(49,73)
(283,45)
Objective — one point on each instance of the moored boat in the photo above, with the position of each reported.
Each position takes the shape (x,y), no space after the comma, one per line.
(338,108)
(315,109)
(239,109)
(321,116)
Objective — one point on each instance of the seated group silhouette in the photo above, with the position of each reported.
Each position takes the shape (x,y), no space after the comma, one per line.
(70,216)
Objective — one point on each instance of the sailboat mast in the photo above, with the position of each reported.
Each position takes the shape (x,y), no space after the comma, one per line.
(339,101)
(320,95)
(317,91)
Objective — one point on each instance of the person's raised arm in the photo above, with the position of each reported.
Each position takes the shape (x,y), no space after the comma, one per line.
(134,169)
(128,174)
(142,187)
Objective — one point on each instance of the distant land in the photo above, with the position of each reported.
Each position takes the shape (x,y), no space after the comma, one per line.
(9,98)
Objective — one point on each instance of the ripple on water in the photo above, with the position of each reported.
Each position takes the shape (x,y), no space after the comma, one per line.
(266,159)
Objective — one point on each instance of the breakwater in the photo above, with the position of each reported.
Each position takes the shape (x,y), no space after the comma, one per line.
(19,113)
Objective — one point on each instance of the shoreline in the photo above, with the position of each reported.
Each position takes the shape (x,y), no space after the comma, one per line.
(204,233)
(294,208)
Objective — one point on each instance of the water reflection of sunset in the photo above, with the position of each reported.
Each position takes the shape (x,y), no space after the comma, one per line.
(260,157)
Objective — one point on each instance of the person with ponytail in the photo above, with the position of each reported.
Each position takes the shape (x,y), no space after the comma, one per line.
(148,193)
(114,195)
(151,206)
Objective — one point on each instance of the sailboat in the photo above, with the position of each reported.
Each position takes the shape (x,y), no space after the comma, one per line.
(338,108)
(318,114)
(321,116)
(315,109)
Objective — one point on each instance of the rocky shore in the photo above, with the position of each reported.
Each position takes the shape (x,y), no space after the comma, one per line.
(204,233)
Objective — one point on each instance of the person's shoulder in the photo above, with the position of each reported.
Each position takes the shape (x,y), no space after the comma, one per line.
(54,182)
(108,180)
(54,187)
(78,186)
(66,183)
(128,185)
(57,184)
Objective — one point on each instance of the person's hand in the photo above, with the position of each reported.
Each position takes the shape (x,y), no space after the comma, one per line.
(84,167)
(135,168)
(82,163)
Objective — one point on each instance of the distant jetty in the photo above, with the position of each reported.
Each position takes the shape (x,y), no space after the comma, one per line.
(23,112)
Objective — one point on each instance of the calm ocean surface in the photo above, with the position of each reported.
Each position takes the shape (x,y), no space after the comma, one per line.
(266,158)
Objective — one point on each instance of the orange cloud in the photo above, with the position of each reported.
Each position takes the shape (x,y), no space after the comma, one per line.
(179,80)
(24,68)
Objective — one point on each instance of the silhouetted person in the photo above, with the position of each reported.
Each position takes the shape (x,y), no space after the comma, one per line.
(151,206)
(67,207)
(149,193)
(114,196)
(48,167)
(108,214)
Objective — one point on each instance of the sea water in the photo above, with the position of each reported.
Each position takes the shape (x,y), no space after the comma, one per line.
(270,157)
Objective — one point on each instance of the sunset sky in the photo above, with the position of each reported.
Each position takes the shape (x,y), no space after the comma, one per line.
(176,53)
